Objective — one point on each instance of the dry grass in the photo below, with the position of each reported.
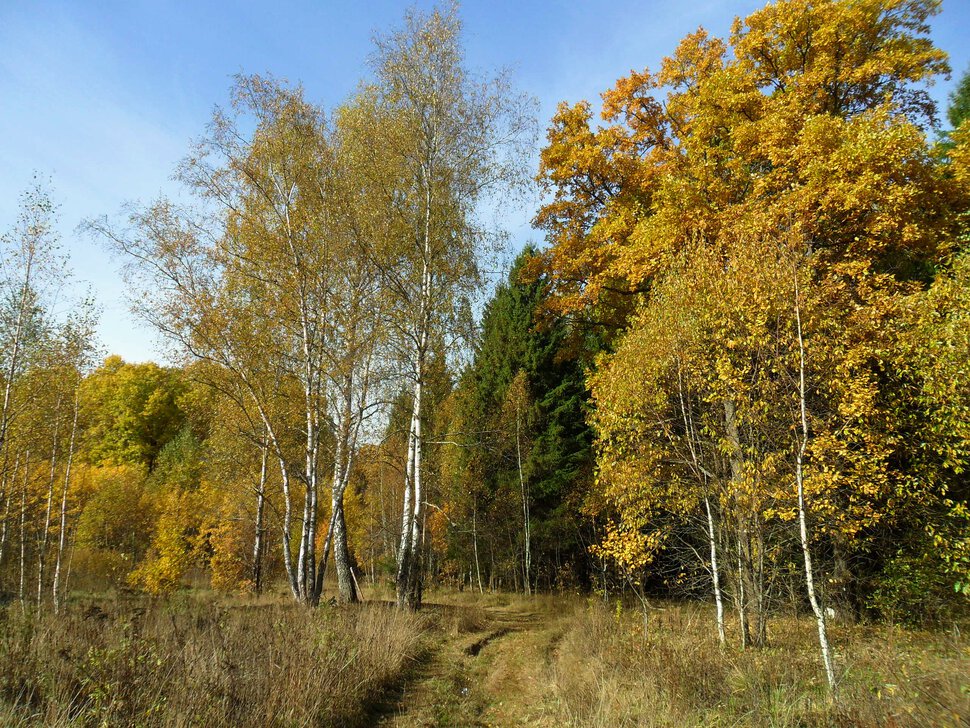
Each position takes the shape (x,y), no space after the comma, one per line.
(606,672)
(467,620)
(547,660)
(192,662)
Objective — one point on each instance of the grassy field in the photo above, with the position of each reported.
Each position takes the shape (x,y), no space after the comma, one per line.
(553,661)
(465,660)
(608,673)
(201,661)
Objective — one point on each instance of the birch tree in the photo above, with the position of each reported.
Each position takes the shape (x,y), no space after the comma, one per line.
(79,347)
(31,262)
(450,140)
(270,285)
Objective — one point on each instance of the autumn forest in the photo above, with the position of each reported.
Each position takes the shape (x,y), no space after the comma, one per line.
(697,456)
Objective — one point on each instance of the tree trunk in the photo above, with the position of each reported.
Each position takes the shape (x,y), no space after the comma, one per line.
(306,560)
(410,577)
(23,529)
(527,561)
(42,541)
(341,553)
(751,602)
(404,552)
(823,639)
(478,569)
(258,547)
(287,530)
(715,574)
(62,528)
(287,526)
(409,573)
(704,476)
(741,604)
(409,566)
(842,593)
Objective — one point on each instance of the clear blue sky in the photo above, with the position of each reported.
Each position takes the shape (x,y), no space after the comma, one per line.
(104,96)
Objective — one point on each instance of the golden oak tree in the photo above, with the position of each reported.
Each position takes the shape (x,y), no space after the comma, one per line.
(753,213)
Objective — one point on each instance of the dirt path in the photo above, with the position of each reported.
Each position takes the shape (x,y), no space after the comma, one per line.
(488,667)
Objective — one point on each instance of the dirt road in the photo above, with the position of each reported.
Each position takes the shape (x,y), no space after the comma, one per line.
(487,666)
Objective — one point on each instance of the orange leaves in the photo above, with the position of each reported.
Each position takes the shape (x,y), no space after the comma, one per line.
(804,121)
(841,58)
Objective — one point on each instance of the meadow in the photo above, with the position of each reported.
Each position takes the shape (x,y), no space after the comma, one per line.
(465,659)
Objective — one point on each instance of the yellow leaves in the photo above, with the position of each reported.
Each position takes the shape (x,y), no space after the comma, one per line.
(697,57)
(936,352)
(629,548)
(960,154)
(174,545)
(841,57)
(227,563)
(792,154)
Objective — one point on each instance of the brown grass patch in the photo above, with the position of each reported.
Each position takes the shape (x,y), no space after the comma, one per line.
(192,662)
(607,672)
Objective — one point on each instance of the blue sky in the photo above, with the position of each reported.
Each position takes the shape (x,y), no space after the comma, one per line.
(104,96)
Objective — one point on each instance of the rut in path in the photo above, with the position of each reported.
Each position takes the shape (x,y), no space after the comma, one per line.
(491,673)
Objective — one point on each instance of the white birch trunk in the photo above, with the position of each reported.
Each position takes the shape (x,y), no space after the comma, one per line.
(704,476)
(62,527)
(715,574)
(408,557)
(823,639)
(260,507)
(414,573)
(23,529)
(478,569)
(347,430)
(287,525)
(287,528)
(404,549)
(42,541)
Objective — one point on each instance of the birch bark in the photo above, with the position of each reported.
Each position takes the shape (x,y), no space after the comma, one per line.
(813,599)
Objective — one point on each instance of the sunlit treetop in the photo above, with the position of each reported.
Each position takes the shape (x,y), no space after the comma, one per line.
(811,116)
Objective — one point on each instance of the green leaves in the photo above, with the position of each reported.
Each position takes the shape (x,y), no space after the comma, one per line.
(132,410)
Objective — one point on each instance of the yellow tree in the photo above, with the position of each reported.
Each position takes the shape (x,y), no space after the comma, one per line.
(791,153)
(814,115)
